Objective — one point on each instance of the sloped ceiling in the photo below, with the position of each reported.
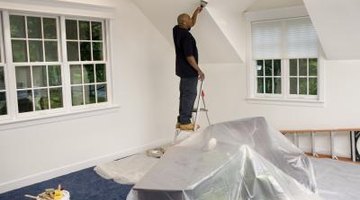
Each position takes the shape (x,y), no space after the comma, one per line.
(272,4)
(338,27)
(216,43)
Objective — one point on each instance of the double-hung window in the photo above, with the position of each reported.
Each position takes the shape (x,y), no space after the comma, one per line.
(85,52)
(35,57)
(51,64)
(285,59)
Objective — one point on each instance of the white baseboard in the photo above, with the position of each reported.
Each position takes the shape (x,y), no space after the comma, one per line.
(53,173)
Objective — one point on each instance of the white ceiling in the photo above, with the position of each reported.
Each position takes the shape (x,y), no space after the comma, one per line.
(271,4)
(220,30)
(337,25)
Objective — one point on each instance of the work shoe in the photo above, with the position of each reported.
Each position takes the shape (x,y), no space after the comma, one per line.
(188,127)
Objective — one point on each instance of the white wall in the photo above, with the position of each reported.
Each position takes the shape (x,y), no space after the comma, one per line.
(39,152)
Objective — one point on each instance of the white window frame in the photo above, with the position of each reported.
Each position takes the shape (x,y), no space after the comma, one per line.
(68,111)
(3,64)
(13,65)
(105,60)
(285,98)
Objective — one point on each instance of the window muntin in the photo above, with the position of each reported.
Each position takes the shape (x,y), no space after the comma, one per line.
(86,50)
(88,84)
(84,40)
(39,87)
(35,50)
(34,39)
(303,76)
(268,76)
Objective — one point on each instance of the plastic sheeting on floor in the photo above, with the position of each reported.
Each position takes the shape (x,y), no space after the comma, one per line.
(127,170)
(337,180)
(250,161)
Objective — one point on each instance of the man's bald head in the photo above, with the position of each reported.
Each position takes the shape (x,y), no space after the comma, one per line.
(184,20)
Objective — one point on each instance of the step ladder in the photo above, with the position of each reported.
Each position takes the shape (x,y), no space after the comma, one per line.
(196,112)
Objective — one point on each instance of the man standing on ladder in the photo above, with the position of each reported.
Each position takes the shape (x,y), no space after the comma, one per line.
(187,67)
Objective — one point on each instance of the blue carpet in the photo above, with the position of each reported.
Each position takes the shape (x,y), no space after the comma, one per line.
(82,185)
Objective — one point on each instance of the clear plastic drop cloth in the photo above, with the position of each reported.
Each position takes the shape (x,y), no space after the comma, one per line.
(249,161)
(128,170)
(337,180)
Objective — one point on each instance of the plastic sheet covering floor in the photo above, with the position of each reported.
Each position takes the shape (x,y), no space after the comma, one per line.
(337,180)
(127,170)
(250,161)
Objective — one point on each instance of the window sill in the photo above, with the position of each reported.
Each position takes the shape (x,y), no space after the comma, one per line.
(9,123)
(286,102)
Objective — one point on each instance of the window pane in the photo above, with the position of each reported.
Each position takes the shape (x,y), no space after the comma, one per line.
(72,51)
(96,30)
(51,51)
(89,75)
(41,99)
(39,76)
(54,75)
(23,79)
(101,93)
(56,100)
(36,51)
(17,26)
(303,67)
(293,67)
(85,50)
(313,67)
(277,67)
(25,102)
(268,67)
(313,86)
(75,74)
(3,108)
(100,73)
(260,67)
(71,29)
(34,27)
(90,94)
(277,85)
(260,85)
(84,27)
(293,86)
(303,86)
(50,28)
(2,79)
(19,51)
(268,86)
(98,51)
(77,95)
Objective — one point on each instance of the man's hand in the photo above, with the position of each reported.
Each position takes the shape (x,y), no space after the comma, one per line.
(201,75)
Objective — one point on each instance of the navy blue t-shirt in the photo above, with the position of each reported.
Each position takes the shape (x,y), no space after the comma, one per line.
(185,45)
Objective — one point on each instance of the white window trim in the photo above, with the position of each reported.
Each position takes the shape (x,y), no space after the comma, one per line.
(283,99)
(95,9)
(14,119)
